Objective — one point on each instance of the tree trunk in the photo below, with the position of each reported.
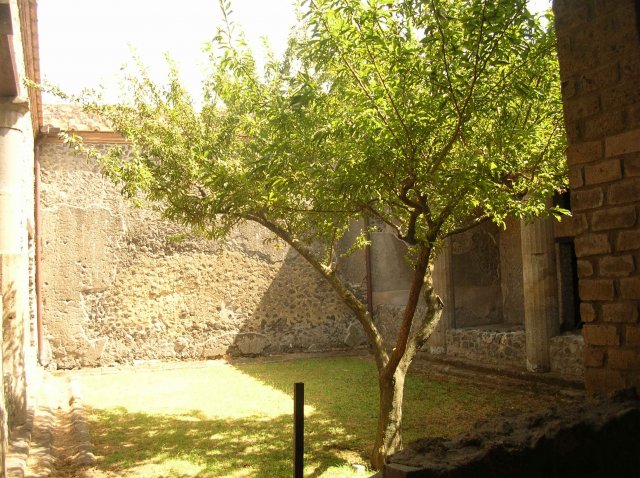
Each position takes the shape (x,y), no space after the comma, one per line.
(391,377)
(389,434)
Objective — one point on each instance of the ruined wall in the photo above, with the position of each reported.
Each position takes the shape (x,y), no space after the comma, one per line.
(118,286)
(599,53)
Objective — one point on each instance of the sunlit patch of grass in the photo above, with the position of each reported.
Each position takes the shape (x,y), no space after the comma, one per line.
(225,421)
(182,468)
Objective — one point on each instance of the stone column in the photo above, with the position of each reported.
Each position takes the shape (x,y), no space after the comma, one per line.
(539,279)
(4,430)
(444,287)
(13,255)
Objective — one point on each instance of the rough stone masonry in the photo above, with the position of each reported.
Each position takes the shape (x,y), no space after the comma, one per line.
(121,285)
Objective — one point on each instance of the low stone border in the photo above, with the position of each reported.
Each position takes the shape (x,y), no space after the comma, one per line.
(56,430)
(590,440)
(83,450)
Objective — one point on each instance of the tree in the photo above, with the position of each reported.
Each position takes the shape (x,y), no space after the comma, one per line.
(429,116)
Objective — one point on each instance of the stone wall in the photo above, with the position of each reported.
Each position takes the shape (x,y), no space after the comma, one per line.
(120,286)
(599,53)
(567,354)
(500,346)
(505,345)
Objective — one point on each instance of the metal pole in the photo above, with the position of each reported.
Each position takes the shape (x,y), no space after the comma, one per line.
(298,429)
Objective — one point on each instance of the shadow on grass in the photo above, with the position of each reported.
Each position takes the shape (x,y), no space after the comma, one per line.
(243,425)
(345,389)
(195,445)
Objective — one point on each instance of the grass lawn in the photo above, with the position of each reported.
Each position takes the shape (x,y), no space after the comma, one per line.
(224,421)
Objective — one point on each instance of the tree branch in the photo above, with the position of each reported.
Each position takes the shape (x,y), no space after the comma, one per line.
(429,322)
(358,308)
(361,85)
(420,271)
(394,106)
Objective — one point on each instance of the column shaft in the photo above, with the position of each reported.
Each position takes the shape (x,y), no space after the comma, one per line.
(541,319)
(14,278)
(444,287)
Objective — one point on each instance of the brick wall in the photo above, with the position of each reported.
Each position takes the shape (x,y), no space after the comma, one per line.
(599,53)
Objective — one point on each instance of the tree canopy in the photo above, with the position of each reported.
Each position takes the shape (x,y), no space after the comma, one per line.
(430,116)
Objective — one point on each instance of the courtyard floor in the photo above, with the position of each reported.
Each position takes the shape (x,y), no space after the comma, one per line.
(217,419)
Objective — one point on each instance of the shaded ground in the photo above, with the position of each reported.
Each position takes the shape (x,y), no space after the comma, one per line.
(594,439)
(234,420)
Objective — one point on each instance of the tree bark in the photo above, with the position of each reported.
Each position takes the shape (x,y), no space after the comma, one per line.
(389,432)
(392,368)
(391,378)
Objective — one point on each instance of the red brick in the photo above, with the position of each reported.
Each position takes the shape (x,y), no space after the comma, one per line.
(630,288)
(624,191)
(587,312)
(621,359)
(582,40)
(592,244)
(619,312)
(594,356)
(568,87)
(616,48)
(628,240)
(584,152)
(586,199)
(582,107)
(605,124)
(566,71)
(570,15)
(615,30)
(602,381)
(603,10)
(616,266)
(627,142)
(602,172)
(575,132)
(613,218)
(621,94)
(596,79)
(585,268)
(632,335)
(578,61)
(622,16)
(631,165)
(563,45)
(596,334)
(596,289)
(570,226)
(575,177)
(633,116)
(630,67)
(634,380)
